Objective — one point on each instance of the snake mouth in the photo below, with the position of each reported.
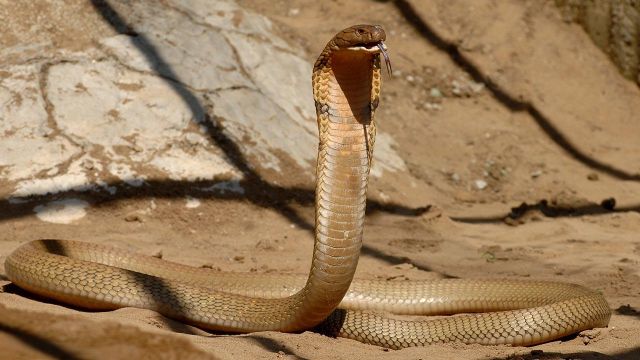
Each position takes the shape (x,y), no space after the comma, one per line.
(372,47)
(378,47)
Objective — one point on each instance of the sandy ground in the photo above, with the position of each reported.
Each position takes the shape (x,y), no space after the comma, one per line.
(522,139)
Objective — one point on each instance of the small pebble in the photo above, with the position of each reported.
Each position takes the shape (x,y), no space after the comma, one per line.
(192,203)
(609,204)
(133,217)
(536,173)
(432,106)
(480,184)
(593,176)
(589,335)
(193,139)
(476,87)
(456,88)
(210,266)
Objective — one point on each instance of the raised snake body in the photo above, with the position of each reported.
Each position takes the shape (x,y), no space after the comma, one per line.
(346,87)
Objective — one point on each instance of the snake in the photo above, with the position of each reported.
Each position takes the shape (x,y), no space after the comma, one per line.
(346,84)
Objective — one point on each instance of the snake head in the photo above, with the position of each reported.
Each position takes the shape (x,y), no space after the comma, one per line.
(368,38)
(360,37)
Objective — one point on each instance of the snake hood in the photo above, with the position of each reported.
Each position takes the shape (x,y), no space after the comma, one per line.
(367,38)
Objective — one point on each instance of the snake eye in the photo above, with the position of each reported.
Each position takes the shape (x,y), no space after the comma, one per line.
(360,31)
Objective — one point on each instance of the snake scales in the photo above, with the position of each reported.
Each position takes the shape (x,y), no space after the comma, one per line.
(346,87)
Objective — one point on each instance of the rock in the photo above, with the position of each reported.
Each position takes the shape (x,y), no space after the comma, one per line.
(134,217)
(536,173)
(432,106)
(590,335)
(63,211)
(565,200)
(192,203)
(156,100)
(480,184)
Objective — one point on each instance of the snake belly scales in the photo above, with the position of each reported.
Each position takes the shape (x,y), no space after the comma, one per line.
(346,88)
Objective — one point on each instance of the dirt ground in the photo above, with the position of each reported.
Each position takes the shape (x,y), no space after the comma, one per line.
(521,142)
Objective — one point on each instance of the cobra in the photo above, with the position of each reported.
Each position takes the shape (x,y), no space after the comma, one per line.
(346,89)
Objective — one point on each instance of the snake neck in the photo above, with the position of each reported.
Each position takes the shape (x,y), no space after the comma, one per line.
(346,84)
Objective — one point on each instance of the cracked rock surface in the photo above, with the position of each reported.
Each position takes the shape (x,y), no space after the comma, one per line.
(137,105)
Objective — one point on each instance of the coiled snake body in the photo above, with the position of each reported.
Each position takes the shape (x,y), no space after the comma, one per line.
(346,87)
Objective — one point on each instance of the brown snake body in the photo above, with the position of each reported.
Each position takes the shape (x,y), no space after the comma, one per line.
(346,86)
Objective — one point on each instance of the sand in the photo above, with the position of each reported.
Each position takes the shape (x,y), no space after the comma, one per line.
(520,140)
